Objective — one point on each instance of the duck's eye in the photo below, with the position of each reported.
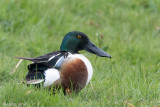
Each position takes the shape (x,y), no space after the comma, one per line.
(79,36)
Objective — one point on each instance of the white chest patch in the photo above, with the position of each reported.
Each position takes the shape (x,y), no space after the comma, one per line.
(86,61)
(51,75)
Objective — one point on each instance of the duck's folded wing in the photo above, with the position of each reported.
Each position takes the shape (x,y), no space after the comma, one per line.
(41,64)
(45,58)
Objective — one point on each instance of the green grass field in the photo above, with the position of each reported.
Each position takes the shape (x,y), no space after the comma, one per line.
(131,30)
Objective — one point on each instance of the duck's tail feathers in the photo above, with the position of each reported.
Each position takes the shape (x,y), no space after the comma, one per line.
(30,59)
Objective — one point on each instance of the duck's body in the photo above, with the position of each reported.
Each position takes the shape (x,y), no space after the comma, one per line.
(59,70)
(66,68)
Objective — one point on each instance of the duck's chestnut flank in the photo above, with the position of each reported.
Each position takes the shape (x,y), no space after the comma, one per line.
(74,74)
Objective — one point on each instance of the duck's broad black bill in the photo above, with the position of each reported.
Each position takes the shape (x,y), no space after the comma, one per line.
(90,47)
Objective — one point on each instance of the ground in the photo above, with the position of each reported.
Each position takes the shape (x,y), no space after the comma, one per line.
(128,30)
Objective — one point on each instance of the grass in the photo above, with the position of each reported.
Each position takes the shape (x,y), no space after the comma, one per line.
(131,35)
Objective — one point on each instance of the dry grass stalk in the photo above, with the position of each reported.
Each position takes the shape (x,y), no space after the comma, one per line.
(14,70)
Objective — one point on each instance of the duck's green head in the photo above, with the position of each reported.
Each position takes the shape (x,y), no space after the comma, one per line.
(75,41)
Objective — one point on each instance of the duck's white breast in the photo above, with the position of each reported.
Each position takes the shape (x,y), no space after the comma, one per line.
(86,61)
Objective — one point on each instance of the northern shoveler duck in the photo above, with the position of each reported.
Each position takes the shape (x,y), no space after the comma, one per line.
(65,68)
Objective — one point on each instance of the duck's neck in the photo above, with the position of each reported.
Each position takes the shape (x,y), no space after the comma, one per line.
(66,46)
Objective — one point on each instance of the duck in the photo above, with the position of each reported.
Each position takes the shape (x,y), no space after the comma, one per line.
(67,68)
